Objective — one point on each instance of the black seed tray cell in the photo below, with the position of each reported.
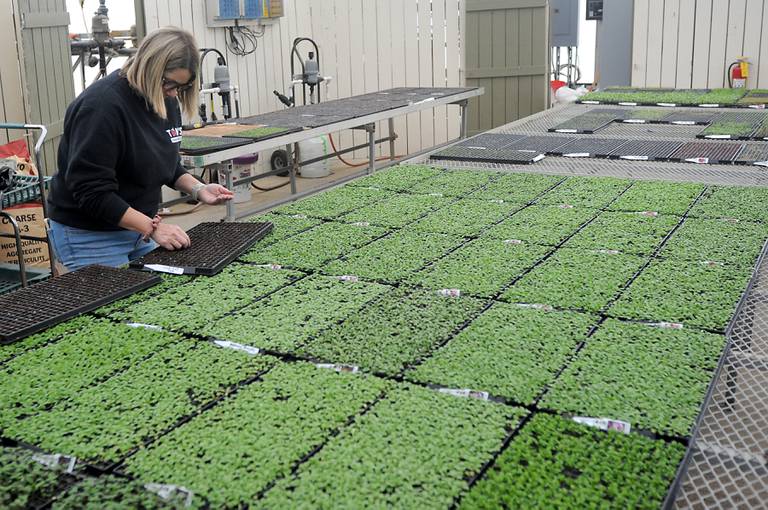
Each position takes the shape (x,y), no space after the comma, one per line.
(753,117)
(487,155)
(687,117)
(214,245)
(491,141)
(544,144)
(713,152)
(646,149)
(32,309)
(752,153)
(194,145)
(592,146)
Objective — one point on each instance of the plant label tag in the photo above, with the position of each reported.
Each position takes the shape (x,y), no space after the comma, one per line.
(667,105)
(56,461)
(711,263)
(719,137)
(477,147)
(667,325)
(634,121)
(761,163)
(566,130)
(577,155)
(361,224)
(565,206)
(536,306)
(627,103)
(307,115)
(684,122)
(373,188)
(650,214)
(757,106)
(590,102)
(349,278)
(513,241)
(273,267)
(539,158)
(299,216)
(342,369)
(253,351)
(604,424)
(139,325)
(709,105)
(159,268)
(635,158)
(496,201)
(449,292)
(608,252)
(439,195)
(465,393)
(171,492)
(700,161)
(731,220)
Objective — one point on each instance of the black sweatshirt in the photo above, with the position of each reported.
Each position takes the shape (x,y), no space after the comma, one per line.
(115,153)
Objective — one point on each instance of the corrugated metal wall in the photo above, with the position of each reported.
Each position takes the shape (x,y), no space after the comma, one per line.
(365,45)
(690,43)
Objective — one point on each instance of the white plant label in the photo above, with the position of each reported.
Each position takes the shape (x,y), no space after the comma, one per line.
(513,241)
(349,278)
(590,102)
(226,344)
(497,201)
(449,292)
(635,158)
(667,325)
(361,224)
(439,195)
(711,263)
(566,130)
(273,267)
(169,492)
(539,158)
(536,306)
(373,188)
(577,155)
(731,220)
(342,369)
(683,123)
(650,214)
(635,121)
(608,252)
(159,268)
(477,147)
(700,161)
(299,216)
(761,163)
(757,106)
(709,105)
(139,325)
(565,206)
(668,105)
(56,461)
(627,103)
(718,137)
(465,393)
(604,424)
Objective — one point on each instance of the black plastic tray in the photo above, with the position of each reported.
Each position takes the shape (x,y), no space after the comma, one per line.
(648,150)
(690,117)
(217,143)
(545,144)
(752,153)
(283,131)
(214,245)
(707,152)
(491,141)
(592,146)
(45,304)
(491,155)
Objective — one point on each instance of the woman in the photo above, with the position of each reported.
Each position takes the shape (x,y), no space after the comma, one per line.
(120,146)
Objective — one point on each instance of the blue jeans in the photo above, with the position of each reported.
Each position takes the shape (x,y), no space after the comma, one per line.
(75,247)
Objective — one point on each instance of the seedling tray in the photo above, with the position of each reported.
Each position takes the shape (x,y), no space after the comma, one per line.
(591,147)
(689,117)
(66,296)
(264,132)
(196,145)
(510,156)
(214,245)
(491,141)
(753,154)
(646,150)
(545,144)
(9,277)
(587,123)
(707,152)
(754,98)
(645,115)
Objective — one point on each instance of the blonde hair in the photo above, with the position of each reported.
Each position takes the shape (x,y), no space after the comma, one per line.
(163,50)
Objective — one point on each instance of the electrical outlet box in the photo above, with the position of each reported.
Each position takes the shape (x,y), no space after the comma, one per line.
(564,20)
(595,10)
(227,13)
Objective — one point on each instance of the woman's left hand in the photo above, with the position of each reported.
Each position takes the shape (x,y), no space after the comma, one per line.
(214,194)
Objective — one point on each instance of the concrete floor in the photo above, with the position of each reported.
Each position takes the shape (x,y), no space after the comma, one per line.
(187,216)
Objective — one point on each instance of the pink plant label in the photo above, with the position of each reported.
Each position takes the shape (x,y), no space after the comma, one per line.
(604,424)
(449,292)
(699,161)
(667,325)
(465,393)
(342,369)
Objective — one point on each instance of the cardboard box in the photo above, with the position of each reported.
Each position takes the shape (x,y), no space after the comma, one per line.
(30,220)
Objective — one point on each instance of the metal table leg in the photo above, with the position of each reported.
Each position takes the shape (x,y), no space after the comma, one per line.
(292,165)
(463,129)
(392,138)
(227,167)
(371,129)
(19,248)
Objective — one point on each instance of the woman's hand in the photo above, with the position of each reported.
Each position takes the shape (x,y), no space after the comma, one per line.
(170,237)
(214,194)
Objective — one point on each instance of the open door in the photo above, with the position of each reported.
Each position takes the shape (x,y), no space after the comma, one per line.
(506,45)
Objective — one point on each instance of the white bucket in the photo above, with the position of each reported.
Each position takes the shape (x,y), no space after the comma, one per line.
(311,149)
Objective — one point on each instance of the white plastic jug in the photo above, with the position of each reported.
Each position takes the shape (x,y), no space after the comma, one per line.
(311,149)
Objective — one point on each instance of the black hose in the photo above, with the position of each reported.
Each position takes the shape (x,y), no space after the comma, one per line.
(730,78)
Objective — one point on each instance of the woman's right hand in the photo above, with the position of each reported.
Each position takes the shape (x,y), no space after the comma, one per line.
(170,237)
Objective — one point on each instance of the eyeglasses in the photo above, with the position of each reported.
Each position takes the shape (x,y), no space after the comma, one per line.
(170,85)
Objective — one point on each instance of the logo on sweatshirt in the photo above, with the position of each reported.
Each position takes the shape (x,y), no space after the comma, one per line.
(174,134)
